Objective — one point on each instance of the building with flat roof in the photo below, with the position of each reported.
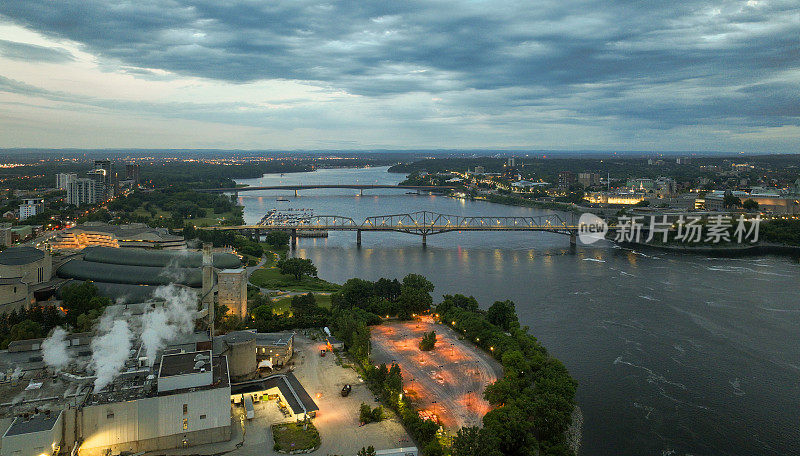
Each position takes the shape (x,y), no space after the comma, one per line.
(286,388)
(106,235)
(30,207)
(84,191)
(63,180)
(33,435)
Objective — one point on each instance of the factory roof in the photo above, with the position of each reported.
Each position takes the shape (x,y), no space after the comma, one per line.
(36,423)
(15,256)
(185,363)
(290,387)
(236,337)
(128,274)
(157,258)
(274,338)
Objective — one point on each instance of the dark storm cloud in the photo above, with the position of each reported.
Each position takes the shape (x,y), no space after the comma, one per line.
(583,57)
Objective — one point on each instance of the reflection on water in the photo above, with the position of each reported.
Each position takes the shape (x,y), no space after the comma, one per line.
(675,354)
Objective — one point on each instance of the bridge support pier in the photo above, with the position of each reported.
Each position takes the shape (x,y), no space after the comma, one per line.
(295,193)
(424,240)
(573,239)
(294,238)
(358,238)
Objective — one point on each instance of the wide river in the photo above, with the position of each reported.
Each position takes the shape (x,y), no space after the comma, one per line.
(675,354)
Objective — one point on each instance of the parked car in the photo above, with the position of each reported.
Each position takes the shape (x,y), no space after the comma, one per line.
(322,353)
(346,390)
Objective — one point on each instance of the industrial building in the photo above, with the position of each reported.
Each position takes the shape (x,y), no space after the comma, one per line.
(249,351)
(183,399)
(232,292)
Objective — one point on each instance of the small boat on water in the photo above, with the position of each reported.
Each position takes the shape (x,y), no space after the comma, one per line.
(282,199)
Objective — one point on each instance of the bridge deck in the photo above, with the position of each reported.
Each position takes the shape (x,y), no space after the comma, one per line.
(328,186)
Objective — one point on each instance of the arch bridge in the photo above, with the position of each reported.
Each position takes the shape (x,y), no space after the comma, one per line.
(421,223)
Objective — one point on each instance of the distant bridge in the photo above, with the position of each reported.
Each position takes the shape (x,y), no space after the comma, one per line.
(421,223)
(359,187)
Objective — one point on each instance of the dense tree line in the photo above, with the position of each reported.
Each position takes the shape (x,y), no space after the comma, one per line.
(535,397)
(386,297)
(32,323)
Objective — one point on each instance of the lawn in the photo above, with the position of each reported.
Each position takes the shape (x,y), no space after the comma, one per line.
(281,305)
(271,277)
(292,437)
(212,219)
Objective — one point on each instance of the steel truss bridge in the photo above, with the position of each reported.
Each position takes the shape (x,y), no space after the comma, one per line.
(421,223)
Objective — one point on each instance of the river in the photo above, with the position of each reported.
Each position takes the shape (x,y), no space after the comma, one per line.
(675,353)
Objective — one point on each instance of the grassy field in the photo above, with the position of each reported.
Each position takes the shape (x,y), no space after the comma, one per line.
(271,277)
(281,305)
(211,220)
(292,437)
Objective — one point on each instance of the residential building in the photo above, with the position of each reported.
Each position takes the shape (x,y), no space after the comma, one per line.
(84,191)
(63,180)
(588,179)
(132,172)
(566,179)
(30,207)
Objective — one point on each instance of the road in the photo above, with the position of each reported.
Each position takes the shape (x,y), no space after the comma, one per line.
(448,381)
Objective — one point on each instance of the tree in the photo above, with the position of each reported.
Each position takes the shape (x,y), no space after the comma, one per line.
(365,413)
(277,239)
(368,451)
(303,304)
(428,341)
(503,314)
(415,294)
(750,205)
(731,201)
(297,267)
(394,379)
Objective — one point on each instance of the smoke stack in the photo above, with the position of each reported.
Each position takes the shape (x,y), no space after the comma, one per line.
(208,284)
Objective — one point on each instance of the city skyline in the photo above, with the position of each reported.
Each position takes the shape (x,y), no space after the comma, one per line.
(303,75)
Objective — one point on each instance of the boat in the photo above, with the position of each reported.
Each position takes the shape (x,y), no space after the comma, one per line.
(282,199)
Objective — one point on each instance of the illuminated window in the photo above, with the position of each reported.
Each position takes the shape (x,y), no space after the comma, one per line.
(185,409)
(185,424)
(202,417)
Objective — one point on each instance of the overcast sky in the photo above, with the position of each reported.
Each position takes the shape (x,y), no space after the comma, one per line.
(359,74)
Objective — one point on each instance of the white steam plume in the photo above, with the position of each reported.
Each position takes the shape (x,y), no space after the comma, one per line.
(109,352)
(54,349)
(165,323)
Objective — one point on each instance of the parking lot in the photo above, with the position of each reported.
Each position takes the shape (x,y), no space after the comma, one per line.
(447,383)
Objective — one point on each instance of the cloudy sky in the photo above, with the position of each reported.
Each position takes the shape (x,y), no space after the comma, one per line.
(359,74)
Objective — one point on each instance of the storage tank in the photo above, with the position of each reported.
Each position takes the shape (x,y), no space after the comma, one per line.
(241,353)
